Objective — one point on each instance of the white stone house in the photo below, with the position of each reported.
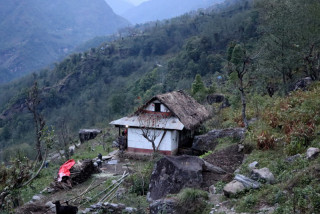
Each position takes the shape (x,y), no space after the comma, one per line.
(170,119)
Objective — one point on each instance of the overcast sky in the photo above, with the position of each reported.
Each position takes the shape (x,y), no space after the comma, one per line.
(136,2)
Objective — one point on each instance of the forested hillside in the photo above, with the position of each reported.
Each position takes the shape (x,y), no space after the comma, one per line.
(275,42)
(36,33)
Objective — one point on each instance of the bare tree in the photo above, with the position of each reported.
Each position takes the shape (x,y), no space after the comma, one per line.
(33,102)
(151,126)
(64,140)
(21,173)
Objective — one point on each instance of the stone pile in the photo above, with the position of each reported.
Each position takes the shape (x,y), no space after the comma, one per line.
(241,182)
(110,208)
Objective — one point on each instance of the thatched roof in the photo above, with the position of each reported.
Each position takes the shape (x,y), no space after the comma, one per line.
(188,110)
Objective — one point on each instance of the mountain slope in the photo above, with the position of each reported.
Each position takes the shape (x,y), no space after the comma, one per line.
(38,32)
(120,6)
(163,9)
(91,88)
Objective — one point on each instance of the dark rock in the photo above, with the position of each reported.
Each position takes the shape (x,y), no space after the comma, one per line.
(111,208)
(208,141)
(88,134)
(225,104)
(215,98)
(169,206)
(218,98)
(292,158)
(303,83)
(211,168)
(173,173)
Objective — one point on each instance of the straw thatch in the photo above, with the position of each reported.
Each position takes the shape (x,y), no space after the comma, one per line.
(188,110)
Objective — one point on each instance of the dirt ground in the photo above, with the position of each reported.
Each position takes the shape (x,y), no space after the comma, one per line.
(110,170)
(228,159)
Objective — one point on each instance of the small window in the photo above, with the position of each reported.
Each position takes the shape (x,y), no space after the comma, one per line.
(157,107)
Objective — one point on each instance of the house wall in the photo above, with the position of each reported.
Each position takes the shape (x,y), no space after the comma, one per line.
(137,143)
(163,108)
(175,142)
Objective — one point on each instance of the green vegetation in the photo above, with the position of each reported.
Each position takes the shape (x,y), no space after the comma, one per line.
(193,200)
(252,52)
(296,188)
(91,88)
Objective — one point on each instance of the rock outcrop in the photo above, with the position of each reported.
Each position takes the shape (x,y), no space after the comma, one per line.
(208,141)
(88,134)
(173,173)
(218,98)
(303,83)
(215,98)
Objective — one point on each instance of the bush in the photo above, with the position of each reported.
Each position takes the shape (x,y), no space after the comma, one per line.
(193,200)
(296,117)
(266,141)
(139,182)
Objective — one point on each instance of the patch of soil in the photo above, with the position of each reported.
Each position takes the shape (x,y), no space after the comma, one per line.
(228,159)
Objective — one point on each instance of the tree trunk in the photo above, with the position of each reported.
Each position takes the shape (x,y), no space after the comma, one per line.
(244,104)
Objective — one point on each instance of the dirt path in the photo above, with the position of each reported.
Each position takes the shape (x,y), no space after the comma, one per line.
(111,170)
(228,159)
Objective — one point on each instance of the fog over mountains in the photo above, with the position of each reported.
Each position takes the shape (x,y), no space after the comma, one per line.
(35,33)
(153,10)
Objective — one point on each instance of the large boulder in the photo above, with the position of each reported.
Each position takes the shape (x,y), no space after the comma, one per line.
(215,98)
(302,84)
(88,134)
(209,141)
(173,173)
(218,98)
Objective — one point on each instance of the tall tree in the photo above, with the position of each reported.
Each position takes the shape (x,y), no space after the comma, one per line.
(279,37)
(33,102)
(238,66)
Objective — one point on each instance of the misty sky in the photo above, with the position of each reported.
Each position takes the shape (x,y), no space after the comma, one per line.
(136,2)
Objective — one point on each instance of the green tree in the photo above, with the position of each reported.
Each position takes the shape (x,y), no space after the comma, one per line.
(238,67)
(198,89)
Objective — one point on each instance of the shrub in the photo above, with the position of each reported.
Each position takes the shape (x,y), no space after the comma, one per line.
(193,200)
(266,141)
(297,117)
(139,182)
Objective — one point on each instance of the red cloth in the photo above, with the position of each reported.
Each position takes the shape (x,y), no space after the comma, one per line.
(65,169)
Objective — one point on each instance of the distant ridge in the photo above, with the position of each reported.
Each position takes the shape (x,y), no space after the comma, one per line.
(36,33)
(164,9)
